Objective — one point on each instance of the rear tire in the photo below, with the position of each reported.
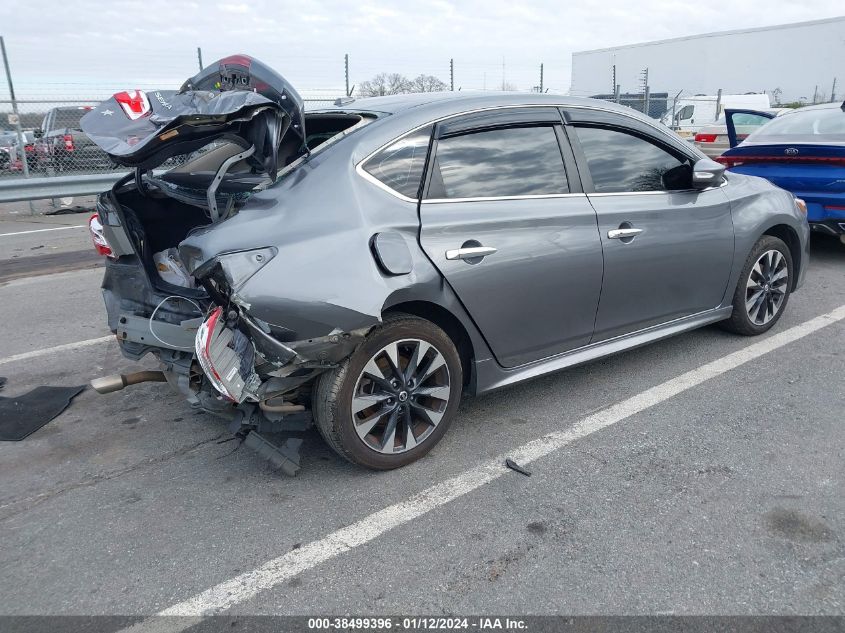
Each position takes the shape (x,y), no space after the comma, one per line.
(763,289)
(405,378)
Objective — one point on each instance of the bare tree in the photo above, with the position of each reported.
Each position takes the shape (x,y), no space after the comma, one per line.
(508,86)
(426,83)
(394,84)
(384,84)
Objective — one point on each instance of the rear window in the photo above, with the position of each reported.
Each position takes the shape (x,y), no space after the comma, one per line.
(812,126)
(400,165)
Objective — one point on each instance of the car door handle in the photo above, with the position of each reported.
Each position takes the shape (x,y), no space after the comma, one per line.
(470,253)
(618,234)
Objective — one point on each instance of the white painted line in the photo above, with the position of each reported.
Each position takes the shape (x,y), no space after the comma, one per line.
(55,350)
(278,570)
(56,228)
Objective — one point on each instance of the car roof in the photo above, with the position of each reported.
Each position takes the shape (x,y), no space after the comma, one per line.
(461,101)
(409,111)
(819,106)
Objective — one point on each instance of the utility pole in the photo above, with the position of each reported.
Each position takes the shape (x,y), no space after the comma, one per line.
(644,81)
(647,101)
(452,75)
(15,114)
(816,94)
(719,103)
(346,72)
(617,93)
(503,72)
(833,91)
(613,78)
(675,110)
(199,57)
(541,78)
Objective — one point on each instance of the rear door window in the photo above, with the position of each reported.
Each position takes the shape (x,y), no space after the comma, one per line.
(400,165)
(509,162)
(622,162)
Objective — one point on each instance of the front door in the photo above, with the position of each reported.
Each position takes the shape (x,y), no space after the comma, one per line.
(668,249)
(507,225)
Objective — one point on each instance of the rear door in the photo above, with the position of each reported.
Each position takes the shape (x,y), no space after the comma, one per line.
(741,123)
(505,221)
(668,249)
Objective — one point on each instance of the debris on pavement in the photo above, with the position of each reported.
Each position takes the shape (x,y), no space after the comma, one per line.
(23,415)
(70,210)
(284,457)
(514,466)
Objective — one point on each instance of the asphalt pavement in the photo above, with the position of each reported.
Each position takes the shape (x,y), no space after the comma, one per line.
(718,491)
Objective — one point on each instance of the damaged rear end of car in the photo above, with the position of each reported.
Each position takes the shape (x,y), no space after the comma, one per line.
(180,251)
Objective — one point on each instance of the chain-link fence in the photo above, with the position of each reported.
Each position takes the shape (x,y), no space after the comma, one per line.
(53,143)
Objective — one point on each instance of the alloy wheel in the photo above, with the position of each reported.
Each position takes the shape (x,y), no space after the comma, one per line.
(766,287)
(401,396)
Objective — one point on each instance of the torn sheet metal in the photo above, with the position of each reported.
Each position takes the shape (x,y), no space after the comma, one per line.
(236,99)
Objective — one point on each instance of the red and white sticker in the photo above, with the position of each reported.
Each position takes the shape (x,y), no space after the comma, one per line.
(134,103)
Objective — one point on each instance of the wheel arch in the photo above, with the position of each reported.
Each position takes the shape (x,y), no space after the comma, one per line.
(449,323)
(788,236)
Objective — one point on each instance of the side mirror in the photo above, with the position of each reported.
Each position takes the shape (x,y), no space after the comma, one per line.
(707,173)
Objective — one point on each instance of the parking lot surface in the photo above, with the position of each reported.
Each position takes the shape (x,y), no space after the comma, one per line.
(721,496)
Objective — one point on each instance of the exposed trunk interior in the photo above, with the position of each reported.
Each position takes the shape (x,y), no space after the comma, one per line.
(157,221)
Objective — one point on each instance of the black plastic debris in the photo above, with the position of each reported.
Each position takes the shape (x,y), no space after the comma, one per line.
(514,466)
(70,210)
(285,457)
(23,415)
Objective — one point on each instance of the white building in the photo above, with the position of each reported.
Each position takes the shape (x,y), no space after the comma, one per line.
(800,59)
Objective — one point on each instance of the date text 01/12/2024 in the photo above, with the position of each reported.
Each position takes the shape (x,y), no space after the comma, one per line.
(416,623)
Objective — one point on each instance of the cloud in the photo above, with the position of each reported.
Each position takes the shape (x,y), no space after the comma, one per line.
(122,41)
(228,7)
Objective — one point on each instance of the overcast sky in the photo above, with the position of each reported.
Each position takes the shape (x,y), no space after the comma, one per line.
(76,48)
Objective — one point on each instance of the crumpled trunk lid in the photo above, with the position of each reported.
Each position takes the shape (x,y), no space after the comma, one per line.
(236,99)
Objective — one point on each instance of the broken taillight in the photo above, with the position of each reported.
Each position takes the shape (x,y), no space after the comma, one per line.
(202,345)
(134,103)
(101,244)
(68,140)
(705,138)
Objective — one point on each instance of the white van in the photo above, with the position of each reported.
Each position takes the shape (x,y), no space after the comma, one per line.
(692,113)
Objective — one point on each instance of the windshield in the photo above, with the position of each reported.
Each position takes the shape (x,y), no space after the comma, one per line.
(808,126)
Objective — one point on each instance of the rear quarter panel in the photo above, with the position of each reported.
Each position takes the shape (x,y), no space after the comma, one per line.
(322,218)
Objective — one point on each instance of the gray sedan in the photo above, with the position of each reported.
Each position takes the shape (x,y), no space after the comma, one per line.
(364,265)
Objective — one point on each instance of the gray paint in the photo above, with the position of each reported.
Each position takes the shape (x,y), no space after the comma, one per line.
(679,265)
(534,300)
(537,295)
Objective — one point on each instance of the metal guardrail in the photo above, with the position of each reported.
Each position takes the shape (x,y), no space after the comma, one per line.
(17,189)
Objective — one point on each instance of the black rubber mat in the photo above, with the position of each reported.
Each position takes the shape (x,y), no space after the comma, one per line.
(26,414)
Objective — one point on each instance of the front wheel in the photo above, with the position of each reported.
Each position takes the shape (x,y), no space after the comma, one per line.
(392,400)
(763,289)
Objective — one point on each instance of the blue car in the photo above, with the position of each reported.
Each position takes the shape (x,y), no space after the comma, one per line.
(801,151)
